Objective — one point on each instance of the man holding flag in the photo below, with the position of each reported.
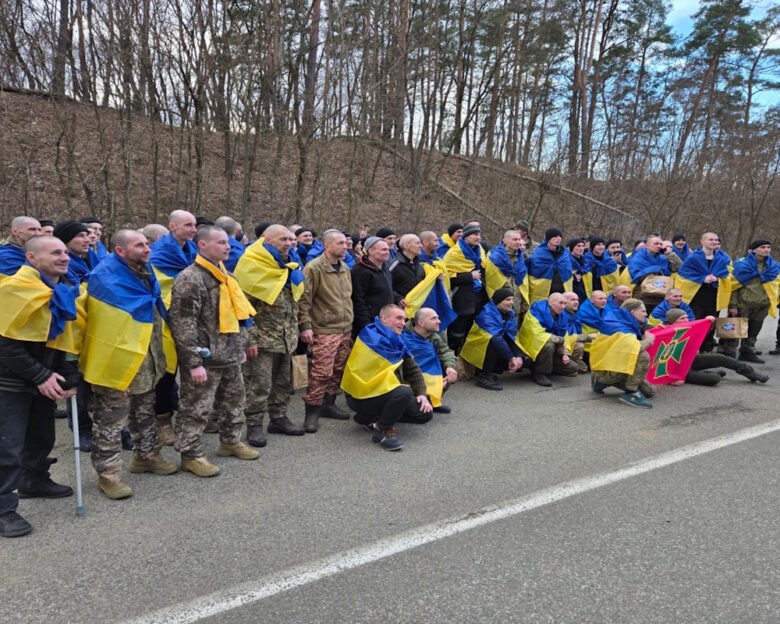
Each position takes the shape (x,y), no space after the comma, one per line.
(325,323)
(754,284)
(123,359)
(171,254)
(619,354)
(464,263)
(38,306)
(208,318)
(382,381)
(436,360)
(270,274)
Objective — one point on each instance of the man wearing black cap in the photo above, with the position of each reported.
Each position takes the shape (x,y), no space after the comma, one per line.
(615,250)
(753,296)
(450,239)
(47,227)
(680,246)
(464,262)
(390,238)
(372,284)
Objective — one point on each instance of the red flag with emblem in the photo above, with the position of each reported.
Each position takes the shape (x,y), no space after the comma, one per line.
(674,349)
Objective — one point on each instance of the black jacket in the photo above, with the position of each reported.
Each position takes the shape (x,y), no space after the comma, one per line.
(372,288)
(465,300)
(24,365)
(406,274)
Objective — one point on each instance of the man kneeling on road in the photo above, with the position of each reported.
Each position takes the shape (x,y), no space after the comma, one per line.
(436,360)
(377,368)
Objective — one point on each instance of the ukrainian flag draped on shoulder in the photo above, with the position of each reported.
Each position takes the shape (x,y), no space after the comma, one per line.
(430,293)
(536,330)
(120,319)
(746,269)
(605,268)
(445,244)
(236,251)
(168,260)
(376,355)
(487,324)
(617,345)
(11,258)
(424,353)
(235,311)
(542,266)
(589,318)
(499,269)
(642,263)
(262,273)
(658,316)
(695,269)
(462,258)
(34,310)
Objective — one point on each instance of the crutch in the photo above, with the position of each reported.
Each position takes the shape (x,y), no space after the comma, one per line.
(74,414)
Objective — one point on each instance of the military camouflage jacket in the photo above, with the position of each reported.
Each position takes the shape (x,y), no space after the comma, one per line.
(275,326)
(194,322)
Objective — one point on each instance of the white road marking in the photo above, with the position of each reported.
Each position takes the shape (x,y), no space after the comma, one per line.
(265,587)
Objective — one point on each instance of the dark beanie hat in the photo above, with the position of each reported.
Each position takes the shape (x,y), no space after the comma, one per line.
(384,232)
(674,314)
(301,230)
(501,294)
(613,240)
(262,227)
(596,240)
(758,243)
(45,222)
(552,233)
(201,220)
(66,231)
(91,219)
(471,228)
(454,227)
(679,236)
(573,242)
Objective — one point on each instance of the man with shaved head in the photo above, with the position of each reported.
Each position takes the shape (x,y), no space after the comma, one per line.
(620,293)
(171,254)
(233,229)
(153,231)
(12,248)
(656,258)
(32,377)
(429,241)
(272,279)
(406,270)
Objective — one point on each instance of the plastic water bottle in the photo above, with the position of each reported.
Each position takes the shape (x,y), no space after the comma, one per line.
(203,352)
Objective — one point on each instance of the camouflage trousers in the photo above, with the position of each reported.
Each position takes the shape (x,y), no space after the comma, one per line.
(268,386)
(224,393)
(629,383)
(550,360)
(114,409)
(329,353)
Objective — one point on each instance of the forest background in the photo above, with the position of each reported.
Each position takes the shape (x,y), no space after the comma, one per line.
(591,115)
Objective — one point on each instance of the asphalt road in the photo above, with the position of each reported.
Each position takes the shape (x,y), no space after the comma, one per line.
(694,541)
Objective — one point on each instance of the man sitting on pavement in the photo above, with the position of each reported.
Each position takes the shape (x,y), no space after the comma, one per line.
(436,360)
(376,377)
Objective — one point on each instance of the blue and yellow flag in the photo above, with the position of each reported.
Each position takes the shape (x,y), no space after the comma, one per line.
(33,310)
(120,319)
(487,324)
(376,355)
(462,258)
(589,317)
(658,316)
(168,260)
(617,345)
(11,258)
(430,293)
(695,269)
(642,263)
(236,251)
(605,268)
(424,353)
(499,269)
(746,269)
(539,324)
(542,266)
(445,244)
(262,273)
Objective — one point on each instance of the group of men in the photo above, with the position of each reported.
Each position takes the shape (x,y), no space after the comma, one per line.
(172,332)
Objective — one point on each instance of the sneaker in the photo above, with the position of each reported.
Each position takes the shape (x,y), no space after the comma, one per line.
(13,525)
(387,438)
(597,386)
(483,381)
(239,450)
(747,356)
(45,488)
(635,399)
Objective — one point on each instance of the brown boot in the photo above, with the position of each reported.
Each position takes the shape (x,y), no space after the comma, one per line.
(111,484)
(313,413)
(331,410)
(200,467)
(152,462)
(165,429)
(239,449)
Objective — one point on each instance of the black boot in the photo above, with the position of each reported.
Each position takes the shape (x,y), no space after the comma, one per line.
(484,381)
(44,488)
(753,375)
(13,525)
(749,356)
(313,413)
(282,424)
(329,409)
(255,435)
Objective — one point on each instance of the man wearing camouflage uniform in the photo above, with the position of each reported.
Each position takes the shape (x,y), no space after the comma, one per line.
(114,406)
(326,324)
(210,355)
(275,334)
